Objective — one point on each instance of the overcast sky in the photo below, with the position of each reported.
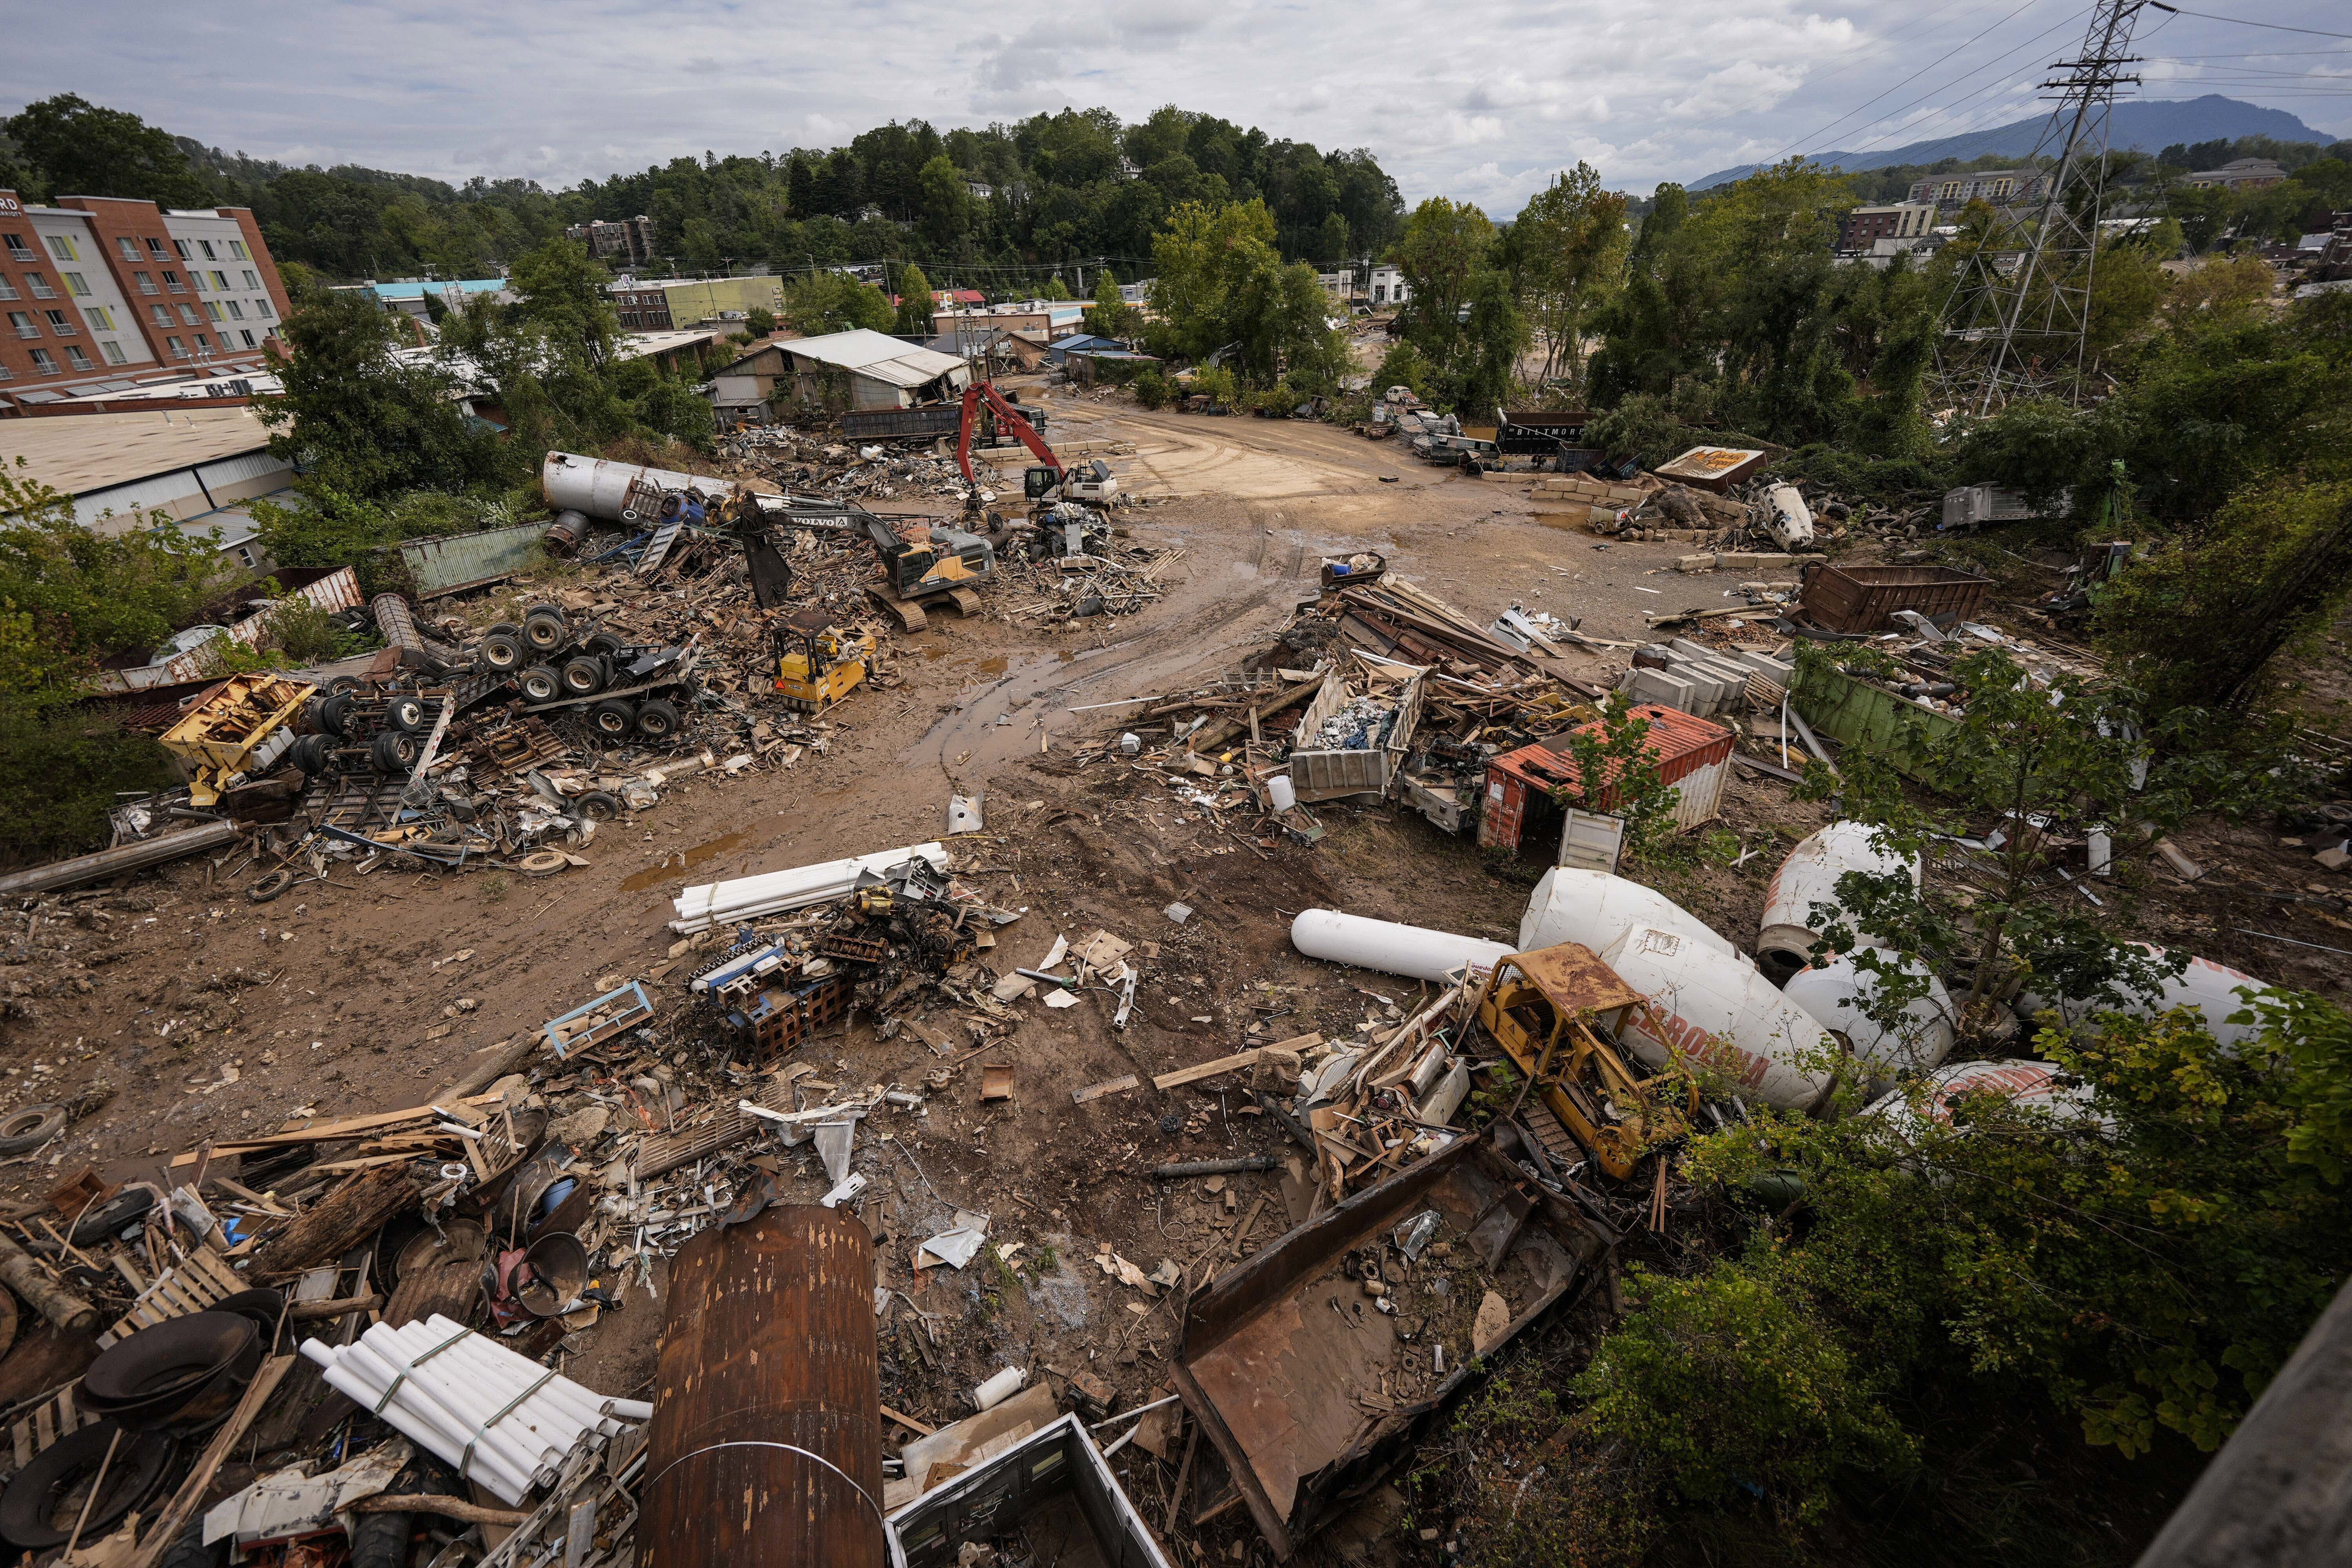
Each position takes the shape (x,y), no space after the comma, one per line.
(1482,99)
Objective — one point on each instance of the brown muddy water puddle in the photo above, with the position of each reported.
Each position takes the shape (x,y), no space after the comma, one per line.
(653,877)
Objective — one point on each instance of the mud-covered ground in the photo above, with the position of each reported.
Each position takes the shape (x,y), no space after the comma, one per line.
(207,1016)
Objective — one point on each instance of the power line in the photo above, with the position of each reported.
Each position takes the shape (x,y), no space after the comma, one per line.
(1915,75)
(1993,86)
(2242,22)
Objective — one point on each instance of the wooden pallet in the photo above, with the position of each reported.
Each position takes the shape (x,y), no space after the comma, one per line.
(193,1287)
(56,1416)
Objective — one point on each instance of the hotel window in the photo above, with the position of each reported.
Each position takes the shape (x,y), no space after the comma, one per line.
(207,246)
(236,310)
(179,349)
(58,324)
(100,317)
(7,290)
(220,281)
(39,286)
(188,314)
(6,374)
(114,354)
(202,342)
(61,245)
(43,362)
(146,283)
(236,248)
(162,315)
(261,308)
(128,247)
(80,361)
(213,306)
(246,336)
(26,326)
(181,247)
(172,281)
(74,286)
(250,280)
(17,249)
(155,248)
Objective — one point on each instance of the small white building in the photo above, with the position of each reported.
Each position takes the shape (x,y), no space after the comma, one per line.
(1388,285)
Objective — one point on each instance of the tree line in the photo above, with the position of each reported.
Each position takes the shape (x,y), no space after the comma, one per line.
(1003,205)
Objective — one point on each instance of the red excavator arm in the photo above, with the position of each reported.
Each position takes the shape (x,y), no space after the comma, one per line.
(1007,417)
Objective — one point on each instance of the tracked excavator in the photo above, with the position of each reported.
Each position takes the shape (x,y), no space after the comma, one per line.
(1043,483)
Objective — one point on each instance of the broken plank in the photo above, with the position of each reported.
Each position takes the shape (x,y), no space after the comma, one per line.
(1194,1074)
(1108,1086)
(325,1132)
(908,1422)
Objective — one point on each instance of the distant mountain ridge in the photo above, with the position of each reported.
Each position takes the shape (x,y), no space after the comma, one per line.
(2145,127)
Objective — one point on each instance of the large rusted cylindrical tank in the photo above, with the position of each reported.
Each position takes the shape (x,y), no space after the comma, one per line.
(768,1341)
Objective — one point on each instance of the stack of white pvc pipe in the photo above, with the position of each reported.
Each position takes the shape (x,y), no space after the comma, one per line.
(500,1420)
(774,892)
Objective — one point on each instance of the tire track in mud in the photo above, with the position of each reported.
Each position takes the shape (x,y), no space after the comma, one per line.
(1209,616)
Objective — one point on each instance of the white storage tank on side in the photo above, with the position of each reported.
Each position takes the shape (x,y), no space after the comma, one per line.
(598,487)
(1594,908)
(1837,996)
(1717,1012)
(1809,877)
(2205,986)
(2030,1084)
(1415,952)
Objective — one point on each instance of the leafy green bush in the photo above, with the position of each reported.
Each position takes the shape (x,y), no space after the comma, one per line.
(1403,365)
(61,770)
(1151,388)
(1729,1382)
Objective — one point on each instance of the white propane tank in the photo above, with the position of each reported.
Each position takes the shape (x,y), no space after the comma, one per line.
(1809,877)
(1793,519)
(593,486)
(1415,952)
(1837,995)
(1594,908)
(1716,1010)
(2027,1083)
(2209,988)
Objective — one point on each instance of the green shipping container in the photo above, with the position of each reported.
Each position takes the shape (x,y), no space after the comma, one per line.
(1858,713)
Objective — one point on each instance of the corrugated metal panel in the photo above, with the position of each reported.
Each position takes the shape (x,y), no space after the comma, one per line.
(160,492)
(246,466)
(768,1341)
(445,565)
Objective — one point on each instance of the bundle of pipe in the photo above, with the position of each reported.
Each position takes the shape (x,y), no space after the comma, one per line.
(774,892)
(500,1420)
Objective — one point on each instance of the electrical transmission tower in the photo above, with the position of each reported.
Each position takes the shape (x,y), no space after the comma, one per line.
(2019,318)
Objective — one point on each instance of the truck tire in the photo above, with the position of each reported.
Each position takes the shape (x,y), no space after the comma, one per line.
(539,684)
(504,649)
(309,754)
(406,712)
(604,642)
(545,633)
(331,709)
(614,719)
(393,751)
(583,676)
(658,720)
(30,1128)
(597,805)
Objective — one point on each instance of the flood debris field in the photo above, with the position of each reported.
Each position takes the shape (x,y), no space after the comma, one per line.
(992,950)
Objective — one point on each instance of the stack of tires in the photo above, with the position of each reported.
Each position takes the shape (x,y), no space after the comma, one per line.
(549,663)
(349,730)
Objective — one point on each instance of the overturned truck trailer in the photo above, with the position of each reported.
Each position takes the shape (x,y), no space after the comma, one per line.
(1290,1396)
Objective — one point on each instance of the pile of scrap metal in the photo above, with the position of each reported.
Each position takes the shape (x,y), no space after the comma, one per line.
(1378,690)
(888,934)
(220,1309)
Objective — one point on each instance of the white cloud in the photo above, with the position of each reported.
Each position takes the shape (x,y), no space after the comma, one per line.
(1482,99)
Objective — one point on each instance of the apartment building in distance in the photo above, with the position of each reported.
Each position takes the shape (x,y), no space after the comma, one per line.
(98,293)
(2001,187)
(630,238)
(1903,220)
